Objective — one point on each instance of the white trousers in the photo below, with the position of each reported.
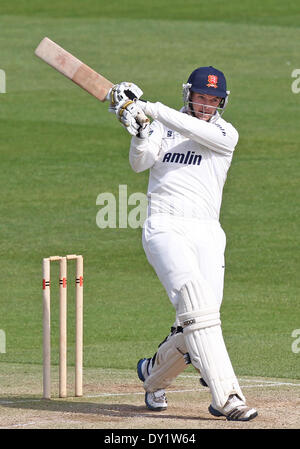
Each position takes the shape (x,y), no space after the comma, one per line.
(181,249)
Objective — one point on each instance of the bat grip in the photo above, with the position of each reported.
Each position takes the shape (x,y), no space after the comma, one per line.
(142,118)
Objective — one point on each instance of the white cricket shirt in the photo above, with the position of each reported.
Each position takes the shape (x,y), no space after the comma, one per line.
(188,160)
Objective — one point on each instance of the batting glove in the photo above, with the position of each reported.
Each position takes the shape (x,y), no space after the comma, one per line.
(122,92)
(133,119)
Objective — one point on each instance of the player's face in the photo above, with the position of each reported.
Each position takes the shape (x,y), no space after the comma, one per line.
(204,105)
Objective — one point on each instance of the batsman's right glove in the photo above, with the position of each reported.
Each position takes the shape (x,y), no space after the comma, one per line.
(121,92)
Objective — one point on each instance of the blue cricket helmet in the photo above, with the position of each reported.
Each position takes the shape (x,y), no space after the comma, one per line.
(208,80)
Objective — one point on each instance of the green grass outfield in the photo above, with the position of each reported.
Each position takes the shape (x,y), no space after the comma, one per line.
(60,149)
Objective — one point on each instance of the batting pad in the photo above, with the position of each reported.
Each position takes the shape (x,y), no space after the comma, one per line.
(169,363)
(198,313)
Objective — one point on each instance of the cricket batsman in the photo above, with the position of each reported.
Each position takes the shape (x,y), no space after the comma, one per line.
(188,154)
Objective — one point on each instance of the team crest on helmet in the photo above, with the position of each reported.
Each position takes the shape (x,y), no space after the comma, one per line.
(212,81)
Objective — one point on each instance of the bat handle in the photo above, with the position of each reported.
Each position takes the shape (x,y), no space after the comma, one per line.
(142,118)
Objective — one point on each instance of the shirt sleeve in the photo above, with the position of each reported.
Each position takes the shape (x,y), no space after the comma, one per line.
(144,152)
(218,136)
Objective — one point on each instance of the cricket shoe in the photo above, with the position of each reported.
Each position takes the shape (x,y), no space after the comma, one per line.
(156,401)
(234,410)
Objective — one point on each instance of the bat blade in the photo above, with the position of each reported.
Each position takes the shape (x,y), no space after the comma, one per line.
(74,69)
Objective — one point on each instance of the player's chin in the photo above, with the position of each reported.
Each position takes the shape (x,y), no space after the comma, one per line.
(204,117)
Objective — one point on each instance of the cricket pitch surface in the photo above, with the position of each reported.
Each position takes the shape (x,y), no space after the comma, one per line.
(114,399)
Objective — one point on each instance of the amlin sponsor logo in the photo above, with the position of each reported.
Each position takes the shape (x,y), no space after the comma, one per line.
(190,158)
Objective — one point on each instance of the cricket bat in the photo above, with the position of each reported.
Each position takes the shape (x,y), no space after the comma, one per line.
(78,72)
